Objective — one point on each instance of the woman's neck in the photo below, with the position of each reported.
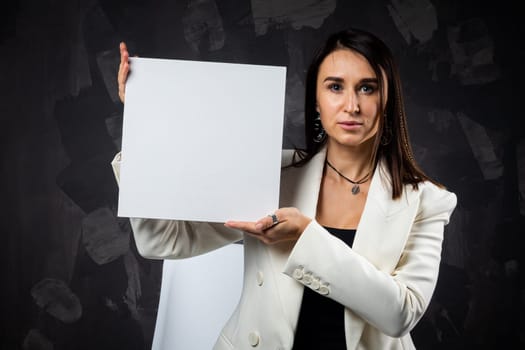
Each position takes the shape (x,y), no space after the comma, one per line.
(352,161)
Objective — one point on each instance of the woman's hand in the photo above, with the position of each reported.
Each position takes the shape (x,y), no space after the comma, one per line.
(290,226)
(123,71)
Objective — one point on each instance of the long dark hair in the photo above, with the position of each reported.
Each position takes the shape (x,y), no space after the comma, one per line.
(395,148)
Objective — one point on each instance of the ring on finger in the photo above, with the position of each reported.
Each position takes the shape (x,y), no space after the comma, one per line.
(275,220)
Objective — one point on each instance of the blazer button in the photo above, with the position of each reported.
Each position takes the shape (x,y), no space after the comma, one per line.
(260,278)
(298,274)
(315,284)
(307,279)
(324,290)
(254,338)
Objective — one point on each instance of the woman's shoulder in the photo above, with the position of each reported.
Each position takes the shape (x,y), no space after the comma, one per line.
(435,199)
(431,189)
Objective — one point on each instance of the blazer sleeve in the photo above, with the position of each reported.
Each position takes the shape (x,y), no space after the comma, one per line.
(393,301)
(175,239)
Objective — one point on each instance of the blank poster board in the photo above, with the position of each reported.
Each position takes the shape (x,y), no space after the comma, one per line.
(201,140)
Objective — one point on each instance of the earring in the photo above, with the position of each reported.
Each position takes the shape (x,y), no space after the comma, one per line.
(319,132)
(386,135)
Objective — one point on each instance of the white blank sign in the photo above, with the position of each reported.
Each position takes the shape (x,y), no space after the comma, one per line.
(201,141)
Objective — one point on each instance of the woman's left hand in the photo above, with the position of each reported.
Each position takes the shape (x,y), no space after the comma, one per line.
(290,226)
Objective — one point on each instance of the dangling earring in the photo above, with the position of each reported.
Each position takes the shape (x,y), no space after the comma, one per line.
(386,136)
(319,132)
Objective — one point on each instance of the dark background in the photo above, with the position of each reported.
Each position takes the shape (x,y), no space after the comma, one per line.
(72,276)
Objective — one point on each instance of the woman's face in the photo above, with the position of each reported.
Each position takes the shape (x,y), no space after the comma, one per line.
(348,98)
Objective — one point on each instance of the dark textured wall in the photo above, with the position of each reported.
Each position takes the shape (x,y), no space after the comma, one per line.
(74,278)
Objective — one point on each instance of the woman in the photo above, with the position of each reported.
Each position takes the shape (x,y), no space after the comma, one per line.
(351,259)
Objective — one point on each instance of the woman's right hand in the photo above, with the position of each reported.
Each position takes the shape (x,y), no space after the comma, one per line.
(123,71)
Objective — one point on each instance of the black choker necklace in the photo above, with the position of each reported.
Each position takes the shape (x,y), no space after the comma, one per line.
(355,188)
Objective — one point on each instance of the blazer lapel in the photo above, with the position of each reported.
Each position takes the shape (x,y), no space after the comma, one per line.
(383,227)
(299,188)
(381,235)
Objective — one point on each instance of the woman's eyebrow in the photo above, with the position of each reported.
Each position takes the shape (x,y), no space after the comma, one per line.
(340,80)
(336,79)
(370,80)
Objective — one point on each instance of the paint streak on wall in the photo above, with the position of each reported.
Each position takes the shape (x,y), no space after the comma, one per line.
(472,50)
(36,340)
(56,298)
(102,237)
(482,147)
(441,119)
(202,21)
(297,13)
(415,19)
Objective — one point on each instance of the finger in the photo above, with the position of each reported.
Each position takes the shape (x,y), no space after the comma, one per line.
(122,82)
(243,226)
(124,54)
(267,222)
(124,59)
(123,71)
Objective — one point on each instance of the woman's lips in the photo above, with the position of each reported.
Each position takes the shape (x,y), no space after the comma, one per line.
(350,125)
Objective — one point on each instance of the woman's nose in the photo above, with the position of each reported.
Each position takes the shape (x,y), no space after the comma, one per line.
(352,104)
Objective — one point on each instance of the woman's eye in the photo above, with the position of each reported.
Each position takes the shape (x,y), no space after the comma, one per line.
(367,89)
(335,87)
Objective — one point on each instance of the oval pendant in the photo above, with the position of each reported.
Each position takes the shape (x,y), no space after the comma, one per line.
(355,189)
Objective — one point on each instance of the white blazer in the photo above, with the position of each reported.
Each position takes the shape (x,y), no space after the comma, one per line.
(385,281)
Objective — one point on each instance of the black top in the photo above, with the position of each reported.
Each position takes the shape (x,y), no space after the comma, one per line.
(321,320)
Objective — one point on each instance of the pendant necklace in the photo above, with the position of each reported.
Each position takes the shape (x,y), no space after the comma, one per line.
(355,188)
